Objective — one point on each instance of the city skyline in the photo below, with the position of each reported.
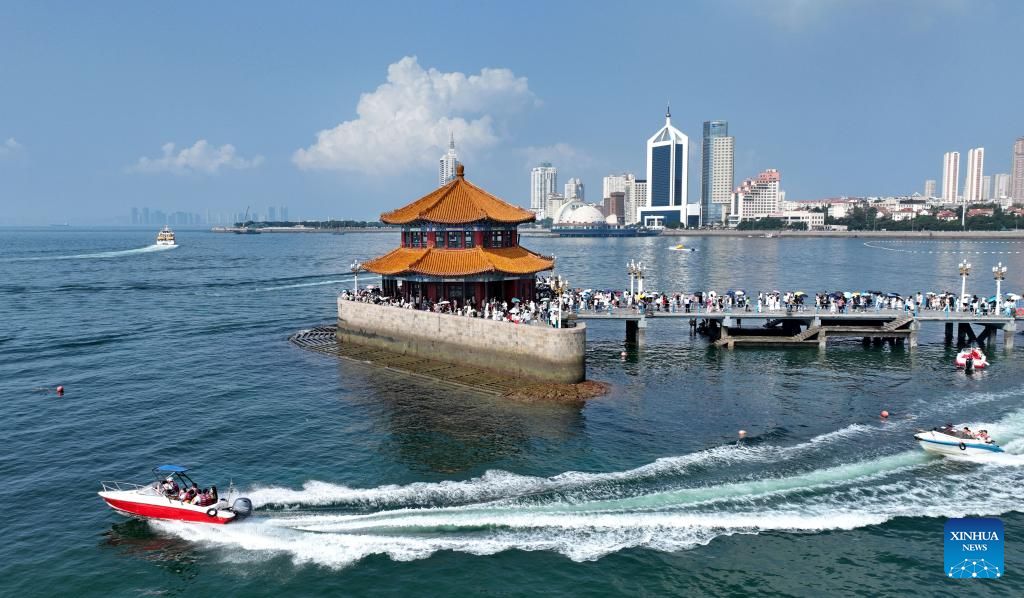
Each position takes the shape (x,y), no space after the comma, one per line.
(279,119)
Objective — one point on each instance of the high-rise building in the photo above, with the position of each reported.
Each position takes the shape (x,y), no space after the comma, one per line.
(951,176)
(756,198)
(615,205)
(446,165)
(135,216)
(284,214)
(975,172)
(1001,186)
(716,172)
(615,182)
(1017,172)
(636,198)
(543,182)
(574,189)
(667,156)
(146,216)
(986,187)
(929,188)
(272,214)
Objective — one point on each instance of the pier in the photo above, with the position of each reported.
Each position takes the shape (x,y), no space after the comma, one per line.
(798,328)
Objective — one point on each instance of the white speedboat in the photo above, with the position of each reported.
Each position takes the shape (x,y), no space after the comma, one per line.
(971,359)
(173,496)
(165,237)
(947,440)
(681,247)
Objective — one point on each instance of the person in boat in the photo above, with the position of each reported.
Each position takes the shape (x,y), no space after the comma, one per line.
(966,433)
(984,437)
(169,487)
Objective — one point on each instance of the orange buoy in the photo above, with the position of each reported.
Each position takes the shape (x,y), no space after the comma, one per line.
(885,414)
(743,433)
(60,391)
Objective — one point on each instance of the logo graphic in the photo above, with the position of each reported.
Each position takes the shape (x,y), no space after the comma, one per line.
(974,548)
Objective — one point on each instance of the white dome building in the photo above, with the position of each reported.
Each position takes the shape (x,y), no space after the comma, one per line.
(577,212)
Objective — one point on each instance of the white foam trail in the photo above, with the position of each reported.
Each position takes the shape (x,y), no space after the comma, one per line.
(102,255)
(583,535)
(306,284)
(848,496)
(497,484)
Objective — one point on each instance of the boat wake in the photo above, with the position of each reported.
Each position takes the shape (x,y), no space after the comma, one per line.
(669,504)
(95,256)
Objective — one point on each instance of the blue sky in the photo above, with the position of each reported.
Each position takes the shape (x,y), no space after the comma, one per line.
(842,97)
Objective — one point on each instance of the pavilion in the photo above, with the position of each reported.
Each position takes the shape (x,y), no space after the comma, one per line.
(460,243)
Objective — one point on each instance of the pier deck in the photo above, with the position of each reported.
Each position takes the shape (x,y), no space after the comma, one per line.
(811,328)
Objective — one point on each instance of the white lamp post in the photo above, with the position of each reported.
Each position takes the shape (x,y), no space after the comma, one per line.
(631,270)
(998,272)
(965,271)
(356,268)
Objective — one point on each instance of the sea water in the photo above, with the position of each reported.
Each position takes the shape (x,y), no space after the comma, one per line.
(367,482)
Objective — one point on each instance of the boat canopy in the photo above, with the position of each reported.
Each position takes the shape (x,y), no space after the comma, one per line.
(170,468)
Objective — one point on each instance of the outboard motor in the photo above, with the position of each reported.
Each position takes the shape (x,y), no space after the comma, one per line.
(242,508)
(969,364)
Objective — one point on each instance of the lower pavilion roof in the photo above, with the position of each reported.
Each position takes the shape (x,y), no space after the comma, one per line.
(432,261)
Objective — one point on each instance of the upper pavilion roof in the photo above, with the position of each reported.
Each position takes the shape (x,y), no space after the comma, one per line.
(458,202)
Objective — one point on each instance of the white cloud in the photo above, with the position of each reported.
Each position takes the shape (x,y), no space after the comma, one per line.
(11,148)
(562,155)
(201,158)
(403,125)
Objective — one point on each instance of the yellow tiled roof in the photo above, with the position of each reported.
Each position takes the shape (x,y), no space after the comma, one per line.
(459,262)
(458,202)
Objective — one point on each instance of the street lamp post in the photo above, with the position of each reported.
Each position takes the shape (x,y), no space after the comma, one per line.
(640,278)
(631,270)
(356,268)
(998,272)
(965,271)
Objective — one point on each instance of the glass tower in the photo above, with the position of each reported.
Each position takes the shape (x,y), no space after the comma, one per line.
(716,172)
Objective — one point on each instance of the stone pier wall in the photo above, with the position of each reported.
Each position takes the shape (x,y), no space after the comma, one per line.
(532,352)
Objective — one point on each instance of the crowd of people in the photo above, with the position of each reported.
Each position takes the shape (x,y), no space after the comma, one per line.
(544,309)
(786,301)
(541,311)
(193,495)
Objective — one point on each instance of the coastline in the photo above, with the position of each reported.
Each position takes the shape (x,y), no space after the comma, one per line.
(890,234)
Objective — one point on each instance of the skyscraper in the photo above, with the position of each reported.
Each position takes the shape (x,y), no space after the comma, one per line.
(574,189)
(667,155)
(716,172)
(951,176)
(975,172)
(929,188)
(284,213)
(447,163)
(543,182)
(272,214)
(1017,172)
(986,187)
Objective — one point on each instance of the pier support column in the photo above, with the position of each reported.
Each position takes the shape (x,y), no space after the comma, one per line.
(961,334)
(912,339)
(1009,329)
(631,327)
(815,322)
(949,333)
(822,340)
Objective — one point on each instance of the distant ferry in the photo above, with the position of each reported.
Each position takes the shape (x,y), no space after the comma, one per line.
(165,237)
(64,225)
(569,230)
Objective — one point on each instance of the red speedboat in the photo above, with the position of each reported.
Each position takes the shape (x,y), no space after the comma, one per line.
(173,496)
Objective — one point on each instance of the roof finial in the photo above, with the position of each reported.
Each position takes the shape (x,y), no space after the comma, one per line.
(668,109)
(451,139)
(460,170)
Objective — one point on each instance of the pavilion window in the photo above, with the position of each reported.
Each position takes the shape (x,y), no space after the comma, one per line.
(417,239)
(454,239)
(469,239)
(497,238)
(439,239)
